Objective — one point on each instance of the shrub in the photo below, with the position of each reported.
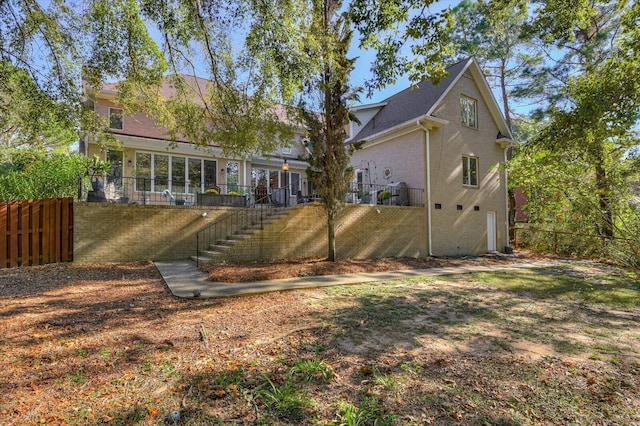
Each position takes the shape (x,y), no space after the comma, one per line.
(384,195)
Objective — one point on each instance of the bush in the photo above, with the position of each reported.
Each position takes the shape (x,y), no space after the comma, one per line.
(36,173)
(384,195)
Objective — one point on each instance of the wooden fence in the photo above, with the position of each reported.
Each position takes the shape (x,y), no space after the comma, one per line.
(36,232)
(553,237)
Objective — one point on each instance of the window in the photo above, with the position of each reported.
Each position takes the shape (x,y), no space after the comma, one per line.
(116,119)
(180,175)
(143,171)
(294,182)
(210,169)
(115,171)
(469,171)
(233,176)
(469,115)
(178,172)
(259,177)
(286,150)
(195,175)
(160,172)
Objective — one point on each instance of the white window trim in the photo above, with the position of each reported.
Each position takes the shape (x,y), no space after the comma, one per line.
(121,118)
(468,178)
(475,111)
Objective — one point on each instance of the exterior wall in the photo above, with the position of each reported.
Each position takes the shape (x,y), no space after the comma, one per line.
(363,232)
(454,232)
(140,134)
(139,124)
(118,233)
(110,232)
(458,232)
(404,155)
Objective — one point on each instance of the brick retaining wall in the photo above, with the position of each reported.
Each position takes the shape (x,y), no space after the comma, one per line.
(110,232)
(117,232)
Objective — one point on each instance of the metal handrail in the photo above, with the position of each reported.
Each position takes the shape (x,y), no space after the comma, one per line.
(227,226)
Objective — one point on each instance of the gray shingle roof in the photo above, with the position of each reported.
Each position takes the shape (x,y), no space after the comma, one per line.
(409,104)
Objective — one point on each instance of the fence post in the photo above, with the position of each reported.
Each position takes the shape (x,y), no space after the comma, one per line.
(555,242)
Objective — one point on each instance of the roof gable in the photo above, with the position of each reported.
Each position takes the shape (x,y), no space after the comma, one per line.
(411,104)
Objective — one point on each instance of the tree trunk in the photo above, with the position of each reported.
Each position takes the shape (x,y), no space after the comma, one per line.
(604,202)
(331,235)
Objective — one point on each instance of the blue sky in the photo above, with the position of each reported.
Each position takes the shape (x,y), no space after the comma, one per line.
(362,70)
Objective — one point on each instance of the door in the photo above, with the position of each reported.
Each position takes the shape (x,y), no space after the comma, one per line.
(491,231)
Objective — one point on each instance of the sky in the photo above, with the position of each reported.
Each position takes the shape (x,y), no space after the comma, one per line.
(362,70)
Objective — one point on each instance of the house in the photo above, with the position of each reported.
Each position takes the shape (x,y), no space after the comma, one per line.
(449,139)
(149,167)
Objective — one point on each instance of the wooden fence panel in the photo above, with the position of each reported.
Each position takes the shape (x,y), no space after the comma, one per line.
(36,232)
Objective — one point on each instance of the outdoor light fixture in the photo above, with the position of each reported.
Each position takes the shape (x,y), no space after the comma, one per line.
(285,169)
(129,163)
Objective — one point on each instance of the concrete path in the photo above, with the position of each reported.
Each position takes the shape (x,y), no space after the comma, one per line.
(185,280)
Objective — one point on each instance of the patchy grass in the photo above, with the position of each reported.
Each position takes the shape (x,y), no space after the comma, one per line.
(558,345)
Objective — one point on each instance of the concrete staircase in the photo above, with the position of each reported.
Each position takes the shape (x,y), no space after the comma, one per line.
(215,251)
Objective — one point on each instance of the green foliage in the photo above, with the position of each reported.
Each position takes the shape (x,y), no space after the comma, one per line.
(309,370)
(384,195)
(29,116)
(368,412)
(285,401)
(32,174)
(407,38)
(493,35)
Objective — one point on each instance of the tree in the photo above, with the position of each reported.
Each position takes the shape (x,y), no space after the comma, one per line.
(302,45)
(27,173)
(294,53)
(329,158)
(493,35)
(28,116)
(588,135)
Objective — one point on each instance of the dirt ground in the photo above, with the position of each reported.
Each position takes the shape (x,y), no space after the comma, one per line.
(306,267)
(109,344)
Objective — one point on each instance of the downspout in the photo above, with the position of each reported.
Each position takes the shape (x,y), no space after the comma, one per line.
(427,181)
(506,194)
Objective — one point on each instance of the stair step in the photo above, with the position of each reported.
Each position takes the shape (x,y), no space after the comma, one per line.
(203,260)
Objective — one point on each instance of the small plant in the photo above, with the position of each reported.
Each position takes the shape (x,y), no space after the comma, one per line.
(369,412)
(96,167)
(212,191)
(233,193)
(284,401)
(308,369)
(384,195)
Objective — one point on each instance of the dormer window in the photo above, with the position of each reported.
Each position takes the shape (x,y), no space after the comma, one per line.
(469,111)
(116,119)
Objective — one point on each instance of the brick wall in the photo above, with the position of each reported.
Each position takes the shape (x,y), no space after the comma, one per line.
(363,231)
(115,233)
(105,232)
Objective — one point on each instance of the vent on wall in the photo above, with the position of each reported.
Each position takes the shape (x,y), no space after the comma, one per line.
(459,206)
(438,206)
(476,208)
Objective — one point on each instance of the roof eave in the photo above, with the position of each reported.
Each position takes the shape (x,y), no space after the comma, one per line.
(505,142)
(427,121)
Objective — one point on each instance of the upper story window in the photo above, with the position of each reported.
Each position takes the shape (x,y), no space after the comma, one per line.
(286,150)
(469,171)
(468,106)
(116,119)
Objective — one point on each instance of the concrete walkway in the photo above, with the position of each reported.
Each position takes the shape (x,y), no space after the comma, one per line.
(185,280)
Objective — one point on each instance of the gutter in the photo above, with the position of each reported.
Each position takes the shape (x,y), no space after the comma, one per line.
(506,194)
(427,143)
